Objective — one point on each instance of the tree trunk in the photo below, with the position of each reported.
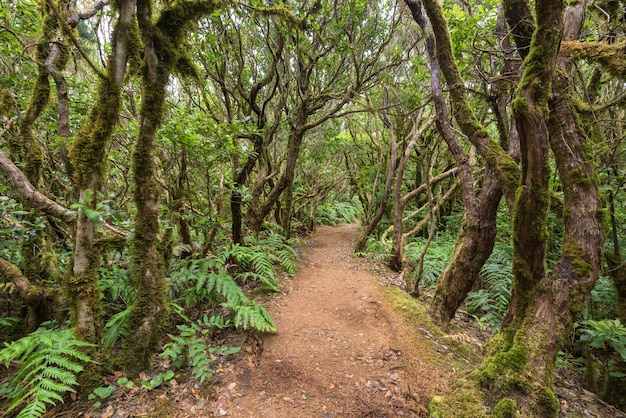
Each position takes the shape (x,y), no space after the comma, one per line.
(88,155)
(367,230)
(503,165)
(149,315)
(257,216)
(545,307)
(240,181)
(397,256)
(473,247)
(477,235)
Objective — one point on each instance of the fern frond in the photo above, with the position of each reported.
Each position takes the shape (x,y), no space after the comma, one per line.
(48,366)
(252,315)
(116,326)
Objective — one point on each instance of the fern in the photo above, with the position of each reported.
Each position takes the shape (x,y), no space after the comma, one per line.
(191,348)
(116,327)
(333,213)
(436,259)
(9,323)
(49,361)
(490,303)
(205,284)
(252,315)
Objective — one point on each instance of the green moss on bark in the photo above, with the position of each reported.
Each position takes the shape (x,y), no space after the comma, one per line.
(506,408)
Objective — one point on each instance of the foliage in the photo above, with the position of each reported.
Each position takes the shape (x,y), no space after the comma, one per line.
(605,334)
(49,361)
(436,259)
(565,361)
(334,213)
(191,347)
(602,303)
(206,281)
(489,303)
(17,224)
(115,284)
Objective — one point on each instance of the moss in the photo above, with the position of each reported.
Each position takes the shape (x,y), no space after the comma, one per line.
(506,370)
(520,106)
(548,403)
(612,57)
(576,254)
(87,152)
(8,104)
(466,400)
(110,242)
(506,408)
(283,13)
(580,179)
(508,169)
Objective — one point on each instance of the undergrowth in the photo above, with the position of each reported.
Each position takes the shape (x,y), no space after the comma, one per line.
(335,213)
(48,363)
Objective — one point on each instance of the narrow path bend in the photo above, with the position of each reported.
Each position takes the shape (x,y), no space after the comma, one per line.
(340,351)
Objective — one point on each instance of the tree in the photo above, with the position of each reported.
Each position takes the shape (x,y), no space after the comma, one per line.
(476,237)
(162,52)
(544,306)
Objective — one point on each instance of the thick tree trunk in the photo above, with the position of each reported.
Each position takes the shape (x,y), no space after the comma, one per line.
(473,247)
(150,311)
(545,307)
(88,156)
(477,235)
(149,315)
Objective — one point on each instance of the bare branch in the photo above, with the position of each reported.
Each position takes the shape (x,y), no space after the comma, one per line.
(34,196)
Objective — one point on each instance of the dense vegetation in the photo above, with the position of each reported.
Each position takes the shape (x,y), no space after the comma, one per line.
(161,159)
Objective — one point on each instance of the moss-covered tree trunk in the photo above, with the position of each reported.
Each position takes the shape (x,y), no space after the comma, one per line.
(476,237)
(163,42)
(24,148)
(519,368)
(88,156)
(473,246)
(545,307)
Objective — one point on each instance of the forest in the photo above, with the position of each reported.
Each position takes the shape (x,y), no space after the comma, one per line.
(162,160)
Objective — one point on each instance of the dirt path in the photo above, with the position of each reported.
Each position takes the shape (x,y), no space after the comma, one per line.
(339,351)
